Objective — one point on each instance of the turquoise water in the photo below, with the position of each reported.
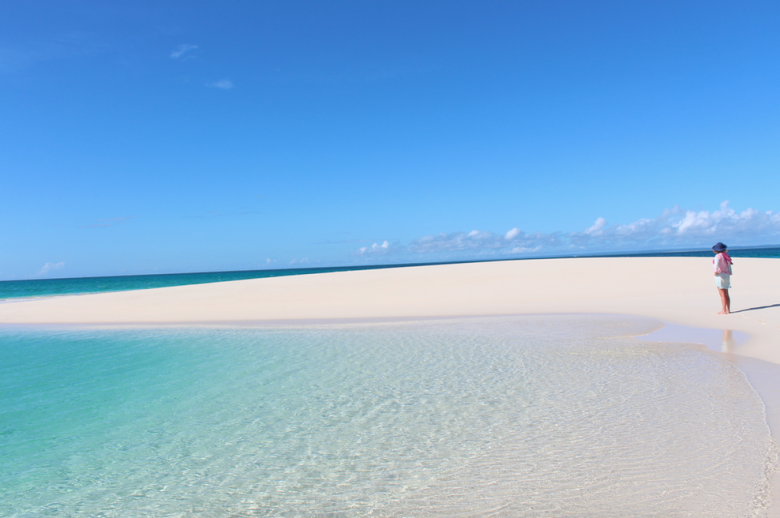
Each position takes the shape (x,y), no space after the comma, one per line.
(48,287)
(513,416)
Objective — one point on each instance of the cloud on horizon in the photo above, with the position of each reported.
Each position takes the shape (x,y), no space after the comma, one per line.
(49,267)
(182,49)
(674,228)
(376,249)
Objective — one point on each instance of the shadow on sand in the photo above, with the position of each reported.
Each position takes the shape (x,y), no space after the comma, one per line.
(757,307)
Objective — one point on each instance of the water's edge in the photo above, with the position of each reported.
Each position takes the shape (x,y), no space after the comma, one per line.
(763,376)
(759,375)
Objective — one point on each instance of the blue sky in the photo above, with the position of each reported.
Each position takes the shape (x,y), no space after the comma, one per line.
(165,136)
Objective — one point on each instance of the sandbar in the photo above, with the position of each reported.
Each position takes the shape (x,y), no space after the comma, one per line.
(676,290)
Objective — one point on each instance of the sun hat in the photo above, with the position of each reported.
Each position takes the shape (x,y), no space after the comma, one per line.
(719,247)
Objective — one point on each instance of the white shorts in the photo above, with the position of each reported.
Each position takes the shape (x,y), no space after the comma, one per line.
(723,281)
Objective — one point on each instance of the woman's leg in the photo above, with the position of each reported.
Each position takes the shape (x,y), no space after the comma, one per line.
(725,301)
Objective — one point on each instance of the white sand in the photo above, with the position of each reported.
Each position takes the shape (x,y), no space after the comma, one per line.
(677,290)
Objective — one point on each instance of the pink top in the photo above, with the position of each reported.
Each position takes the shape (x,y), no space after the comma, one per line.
(722,263)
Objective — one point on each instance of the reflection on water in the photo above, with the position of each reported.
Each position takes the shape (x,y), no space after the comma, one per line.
(729,344)
(714,339)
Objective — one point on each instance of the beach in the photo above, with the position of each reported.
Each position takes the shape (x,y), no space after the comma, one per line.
(677,291)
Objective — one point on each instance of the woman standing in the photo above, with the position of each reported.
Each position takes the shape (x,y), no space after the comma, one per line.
(722,266)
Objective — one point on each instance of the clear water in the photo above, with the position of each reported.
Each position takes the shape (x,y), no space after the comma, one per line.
(530,416)
(48,287)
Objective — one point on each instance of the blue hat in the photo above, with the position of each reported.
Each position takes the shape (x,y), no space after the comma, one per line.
(719,247)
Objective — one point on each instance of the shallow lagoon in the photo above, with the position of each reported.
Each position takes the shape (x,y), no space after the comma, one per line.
(504,416)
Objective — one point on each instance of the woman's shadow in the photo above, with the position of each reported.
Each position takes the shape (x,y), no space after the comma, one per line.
(755,308)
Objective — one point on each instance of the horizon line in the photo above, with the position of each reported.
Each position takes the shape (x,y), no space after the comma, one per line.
(430,263)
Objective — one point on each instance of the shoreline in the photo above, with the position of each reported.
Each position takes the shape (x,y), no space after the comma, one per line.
(676,291)
(762,375)
(608,363)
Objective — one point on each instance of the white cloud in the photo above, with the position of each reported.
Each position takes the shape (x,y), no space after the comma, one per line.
(680,228)
(474,241)
(222,84)
(48,267)
(376,249)
(182,49)
(512,233)
(673,228)
(597,227)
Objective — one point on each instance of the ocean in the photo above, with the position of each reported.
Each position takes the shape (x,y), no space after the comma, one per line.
(533,416)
